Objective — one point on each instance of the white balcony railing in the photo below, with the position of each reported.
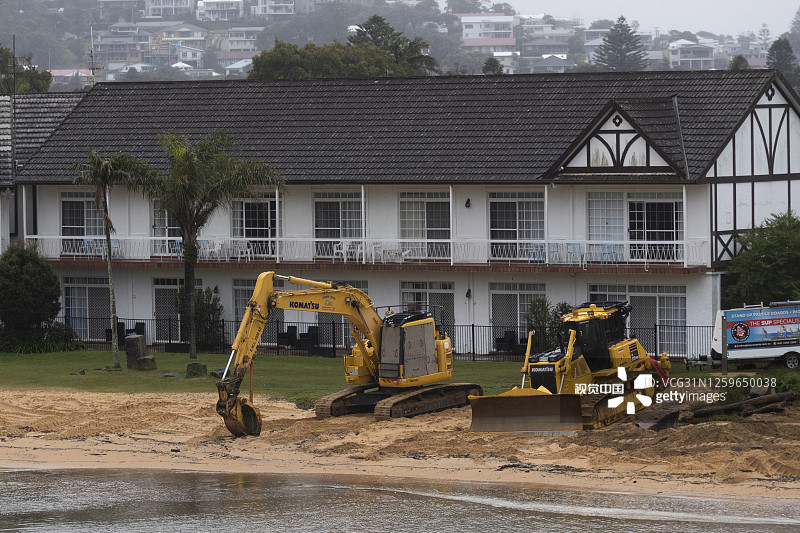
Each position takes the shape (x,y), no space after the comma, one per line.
(579,253)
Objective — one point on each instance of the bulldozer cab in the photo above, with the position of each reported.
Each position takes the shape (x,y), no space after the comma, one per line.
(597,327)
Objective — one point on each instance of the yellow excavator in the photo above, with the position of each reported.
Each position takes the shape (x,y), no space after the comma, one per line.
(395,368)
(595,377)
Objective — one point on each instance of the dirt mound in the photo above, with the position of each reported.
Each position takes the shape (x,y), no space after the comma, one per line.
(143,430)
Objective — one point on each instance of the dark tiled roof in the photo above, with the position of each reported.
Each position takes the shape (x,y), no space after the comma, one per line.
(37,117)
(658,120)
(436,129)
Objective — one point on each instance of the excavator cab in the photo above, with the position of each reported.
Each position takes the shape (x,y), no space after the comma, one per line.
(408,346)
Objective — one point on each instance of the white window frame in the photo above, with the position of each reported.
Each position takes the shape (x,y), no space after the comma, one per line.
(420,239)
(529,224)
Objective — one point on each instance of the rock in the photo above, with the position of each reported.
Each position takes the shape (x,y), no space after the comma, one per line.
(194,370)
(756,392)
(135,349)
(171,374)
(217,373)
(146,363)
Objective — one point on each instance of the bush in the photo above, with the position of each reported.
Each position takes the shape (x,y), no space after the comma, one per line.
(788,383)
(209,326)
(545,320)
(30,293)
(57,337)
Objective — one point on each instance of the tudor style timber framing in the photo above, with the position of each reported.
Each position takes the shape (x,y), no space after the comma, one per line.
(761,158)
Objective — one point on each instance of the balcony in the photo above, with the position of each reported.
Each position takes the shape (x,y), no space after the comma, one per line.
(578,254)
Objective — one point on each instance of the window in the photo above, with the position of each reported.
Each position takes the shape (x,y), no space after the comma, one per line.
(654,220)
(606,216)
(654,306)
(166,227)
(87,306)
(516,222)
(337,221)
(425,224)
(654,224)
(509,305)
(256,221)
(79,218)
(434,296)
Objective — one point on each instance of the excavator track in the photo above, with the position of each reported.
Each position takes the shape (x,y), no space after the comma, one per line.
(350,400)
(426,400)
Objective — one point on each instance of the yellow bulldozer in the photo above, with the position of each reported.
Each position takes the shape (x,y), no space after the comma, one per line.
(595,377)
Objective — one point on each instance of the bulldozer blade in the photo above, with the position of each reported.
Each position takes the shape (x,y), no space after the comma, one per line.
(540,414)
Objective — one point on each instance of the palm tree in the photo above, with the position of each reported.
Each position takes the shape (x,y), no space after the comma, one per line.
(412,52)
(201,178)
(103,173)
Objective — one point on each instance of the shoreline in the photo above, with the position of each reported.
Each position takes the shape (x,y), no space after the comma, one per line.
(63,429)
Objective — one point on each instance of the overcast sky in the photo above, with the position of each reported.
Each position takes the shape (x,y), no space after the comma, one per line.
(729,17)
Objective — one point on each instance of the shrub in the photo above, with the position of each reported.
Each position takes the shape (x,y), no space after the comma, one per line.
(209,326)
(545,320)
(30,293)
(57,337)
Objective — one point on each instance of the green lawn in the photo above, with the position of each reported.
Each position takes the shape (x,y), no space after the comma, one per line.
(294,378)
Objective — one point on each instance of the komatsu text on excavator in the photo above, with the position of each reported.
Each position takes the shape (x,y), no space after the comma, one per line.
(395,368)
(595,377)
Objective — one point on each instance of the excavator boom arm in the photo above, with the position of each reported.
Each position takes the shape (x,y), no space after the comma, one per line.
(239,414)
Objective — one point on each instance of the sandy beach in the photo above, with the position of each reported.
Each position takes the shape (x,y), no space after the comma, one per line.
(755,458)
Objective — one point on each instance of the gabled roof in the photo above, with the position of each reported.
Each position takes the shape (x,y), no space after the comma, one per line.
(481,129)
(184,26)
(655,119)
(552,61)
(36,117)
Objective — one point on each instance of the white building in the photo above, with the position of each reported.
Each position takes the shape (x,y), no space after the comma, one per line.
(475,194)
(268,8)
(214,10)
(168,8)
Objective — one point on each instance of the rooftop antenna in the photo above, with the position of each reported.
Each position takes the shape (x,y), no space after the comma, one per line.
(92,68)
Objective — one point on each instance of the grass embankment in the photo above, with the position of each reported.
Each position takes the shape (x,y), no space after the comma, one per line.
(294,378)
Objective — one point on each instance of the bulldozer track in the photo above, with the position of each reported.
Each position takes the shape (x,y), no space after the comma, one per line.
(426,400)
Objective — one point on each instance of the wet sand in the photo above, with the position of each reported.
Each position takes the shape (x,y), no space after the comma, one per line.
(751,459)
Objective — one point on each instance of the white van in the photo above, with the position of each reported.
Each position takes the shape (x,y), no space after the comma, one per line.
(759,332)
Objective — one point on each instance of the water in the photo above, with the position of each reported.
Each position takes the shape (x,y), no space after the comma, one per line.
(154,501)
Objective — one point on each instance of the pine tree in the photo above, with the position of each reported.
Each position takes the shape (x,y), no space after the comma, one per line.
(794,31)
(781,58)
(621,50)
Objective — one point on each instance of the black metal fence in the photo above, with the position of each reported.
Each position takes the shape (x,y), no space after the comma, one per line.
(470,342)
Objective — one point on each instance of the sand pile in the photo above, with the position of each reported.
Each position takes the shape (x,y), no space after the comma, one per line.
(755,457)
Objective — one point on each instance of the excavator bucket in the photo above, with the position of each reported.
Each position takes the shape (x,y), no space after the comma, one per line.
(240,415)
(526,411)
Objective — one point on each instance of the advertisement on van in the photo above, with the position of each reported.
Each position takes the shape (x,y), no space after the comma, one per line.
(763,327)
